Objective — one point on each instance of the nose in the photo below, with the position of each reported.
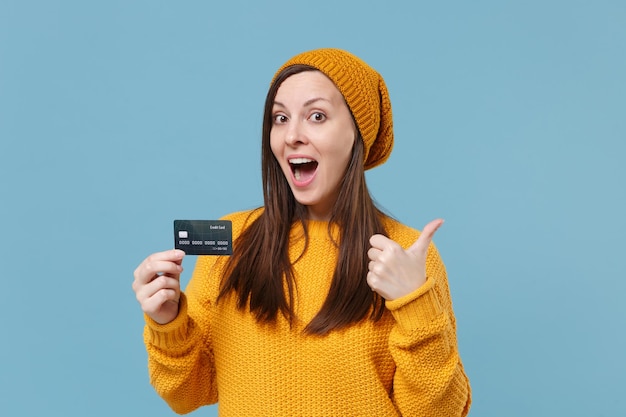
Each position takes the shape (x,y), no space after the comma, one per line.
(295,134)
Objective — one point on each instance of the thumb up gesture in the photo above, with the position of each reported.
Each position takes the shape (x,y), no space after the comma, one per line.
(395,272)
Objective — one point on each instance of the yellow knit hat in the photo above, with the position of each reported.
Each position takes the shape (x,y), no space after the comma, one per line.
(365,93)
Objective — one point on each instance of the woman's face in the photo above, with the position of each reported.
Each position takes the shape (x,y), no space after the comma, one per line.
(312,137)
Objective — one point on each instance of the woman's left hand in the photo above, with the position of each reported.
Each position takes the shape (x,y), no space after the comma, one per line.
(395,272)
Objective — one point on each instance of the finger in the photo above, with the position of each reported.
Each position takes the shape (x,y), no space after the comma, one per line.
(383,248)
(160,262)
(172,255)
(370,265)
(162,267)
(379,269)
(374,254)
(153,305)
(421,244)
(380,242)
(150,271)
(374,282)
(371,280)
(159,284)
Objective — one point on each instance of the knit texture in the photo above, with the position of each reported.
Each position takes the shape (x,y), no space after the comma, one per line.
(406,364)
(365,93)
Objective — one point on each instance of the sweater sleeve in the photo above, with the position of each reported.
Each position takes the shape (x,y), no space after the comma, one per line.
(429,379)
(180,357)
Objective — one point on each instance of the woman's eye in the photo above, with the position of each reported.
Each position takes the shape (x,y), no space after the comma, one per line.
(280,118)
(318,117)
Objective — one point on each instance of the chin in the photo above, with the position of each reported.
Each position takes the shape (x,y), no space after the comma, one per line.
(304,201)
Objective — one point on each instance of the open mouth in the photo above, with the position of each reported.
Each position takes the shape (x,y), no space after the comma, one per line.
(303,169)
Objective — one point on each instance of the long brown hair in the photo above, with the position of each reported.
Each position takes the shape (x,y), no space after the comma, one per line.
(260,265)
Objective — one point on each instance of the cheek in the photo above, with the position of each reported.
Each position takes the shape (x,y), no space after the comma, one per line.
(345,161)
(275,146)
(341,159)
(346,149)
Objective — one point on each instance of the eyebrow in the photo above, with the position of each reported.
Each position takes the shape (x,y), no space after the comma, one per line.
(306,103)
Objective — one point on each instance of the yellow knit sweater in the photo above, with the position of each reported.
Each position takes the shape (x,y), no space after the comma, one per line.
(406,364)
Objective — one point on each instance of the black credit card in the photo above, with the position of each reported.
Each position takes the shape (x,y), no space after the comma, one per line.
(204,237)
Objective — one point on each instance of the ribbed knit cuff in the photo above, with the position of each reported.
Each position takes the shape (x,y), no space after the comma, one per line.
(416,309)
(172,334)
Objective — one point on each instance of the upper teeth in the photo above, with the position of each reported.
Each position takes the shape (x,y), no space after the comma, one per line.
(300,161)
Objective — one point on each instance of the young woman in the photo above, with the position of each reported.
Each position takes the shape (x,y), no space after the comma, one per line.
(327,306)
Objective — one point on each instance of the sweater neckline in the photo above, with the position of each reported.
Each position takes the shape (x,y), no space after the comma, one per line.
(316,229)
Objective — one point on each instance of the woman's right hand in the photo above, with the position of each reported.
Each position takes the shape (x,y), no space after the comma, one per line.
(157,285)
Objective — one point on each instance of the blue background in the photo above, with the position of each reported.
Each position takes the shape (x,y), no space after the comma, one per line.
(117,117)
